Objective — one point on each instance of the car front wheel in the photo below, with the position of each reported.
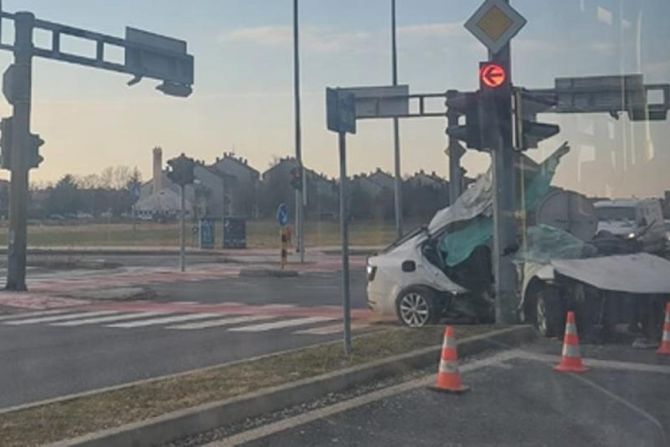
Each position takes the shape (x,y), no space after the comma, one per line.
(416,307)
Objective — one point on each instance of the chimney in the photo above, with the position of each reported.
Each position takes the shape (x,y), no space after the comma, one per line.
(158,169)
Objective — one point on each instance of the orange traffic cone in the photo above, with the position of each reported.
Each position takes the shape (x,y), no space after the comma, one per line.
(448,375)
(572,359)
(665,341)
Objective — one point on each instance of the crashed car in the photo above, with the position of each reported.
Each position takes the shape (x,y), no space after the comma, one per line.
(443,270)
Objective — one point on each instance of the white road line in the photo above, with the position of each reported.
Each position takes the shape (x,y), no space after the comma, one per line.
(631,406)
(277,306)
(223,322)
(164,320)
(610,364)
(108,319)
(32,314)
(340,407)
(281,324)
(331,329)
(62,317)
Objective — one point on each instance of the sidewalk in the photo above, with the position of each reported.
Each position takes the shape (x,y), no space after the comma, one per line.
(259,255)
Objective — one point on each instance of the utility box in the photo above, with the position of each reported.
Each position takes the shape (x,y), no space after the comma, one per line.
(206,233)
(234,232)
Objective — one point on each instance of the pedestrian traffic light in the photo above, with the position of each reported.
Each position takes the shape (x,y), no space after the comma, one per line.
(181,170)
(6,143)
(296,179)
(465,104)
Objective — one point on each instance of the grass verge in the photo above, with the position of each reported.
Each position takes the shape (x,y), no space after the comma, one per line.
(70,418)
(260,234)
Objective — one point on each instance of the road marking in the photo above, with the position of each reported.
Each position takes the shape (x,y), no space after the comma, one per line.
(331,329)
(634,408)
(31,314)
(281,324)
(165,320)
(340,407)
(223,322)
(277,306)
(108,319)
(611,364)
(61,317)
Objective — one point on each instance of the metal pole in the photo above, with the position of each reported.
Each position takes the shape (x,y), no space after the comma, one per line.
(344,232)
(182,231)
(396,127)
(504,236)
(455,151)
(18,191)
(223,210)
(300,193)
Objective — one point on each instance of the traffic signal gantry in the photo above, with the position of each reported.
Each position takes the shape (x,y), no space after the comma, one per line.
(146,55)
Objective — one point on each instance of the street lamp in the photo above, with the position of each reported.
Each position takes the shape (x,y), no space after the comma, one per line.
(396,126)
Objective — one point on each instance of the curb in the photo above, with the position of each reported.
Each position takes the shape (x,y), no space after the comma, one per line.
(191,421)
(267,273)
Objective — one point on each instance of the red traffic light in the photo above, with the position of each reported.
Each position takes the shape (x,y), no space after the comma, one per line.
(492,75)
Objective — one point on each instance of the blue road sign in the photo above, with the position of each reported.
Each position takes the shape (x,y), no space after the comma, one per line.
(282,215)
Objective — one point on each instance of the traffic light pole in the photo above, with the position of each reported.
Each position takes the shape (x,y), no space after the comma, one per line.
(182,229)
(504,233)
(18,191)
(344,233)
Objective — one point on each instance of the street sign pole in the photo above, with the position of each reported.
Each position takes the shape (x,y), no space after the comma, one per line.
(344,232)
(504,235)
(182,230)
(21,98)
(341,118)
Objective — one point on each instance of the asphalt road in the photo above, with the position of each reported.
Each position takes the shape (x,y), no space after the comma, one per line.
(518,401)
(46,359)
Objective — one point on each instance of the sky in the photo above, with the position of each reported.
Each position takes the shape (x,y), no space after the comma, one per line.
(242,99)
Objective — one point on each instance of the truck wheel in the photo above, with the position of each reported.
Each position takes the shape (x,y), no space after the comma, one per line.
(548,312)
(416,307)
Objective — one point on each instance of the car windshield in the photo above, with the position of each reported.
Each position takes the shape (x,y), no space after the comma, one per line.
(615,213)
(334,223)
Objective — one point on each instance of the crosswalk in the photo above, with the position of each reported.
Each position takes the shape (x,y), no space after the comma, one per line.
(189,316)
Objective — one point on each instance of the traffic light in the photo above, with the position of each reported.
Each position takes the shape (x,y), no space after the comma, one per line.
(296,179)
(6,143)
(495,104)
(527,130)
(181,170)
(465,104)
(33,157)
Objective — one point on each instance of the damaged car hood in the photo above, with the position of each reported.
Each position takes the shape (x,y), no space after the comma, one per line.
(635,273)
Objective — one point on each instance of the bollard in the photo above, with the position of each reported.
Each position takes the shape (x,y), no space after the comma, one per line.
(285,236)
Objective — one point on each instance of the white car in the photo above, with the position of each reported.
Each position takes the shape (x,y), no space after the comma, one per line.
(403,283)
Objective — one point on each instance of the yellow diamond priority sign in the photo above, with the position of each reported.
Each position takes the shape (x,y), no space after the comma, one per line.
(495,23)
